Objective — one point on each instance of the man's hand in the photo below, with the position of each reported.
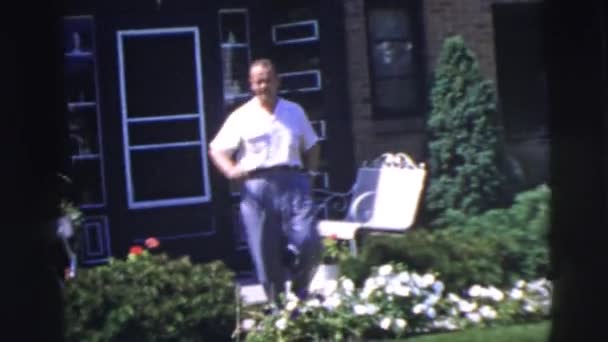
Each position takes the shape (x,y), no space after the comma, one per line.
(226,165)
(235,173)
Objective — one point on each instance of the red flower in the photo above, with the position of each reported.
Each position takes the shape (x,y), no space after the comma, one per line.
(152,243)
(333,237)
(136,250)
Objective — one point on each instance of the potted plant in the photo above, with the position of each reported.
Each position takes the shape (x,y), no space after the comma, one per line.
(334,251)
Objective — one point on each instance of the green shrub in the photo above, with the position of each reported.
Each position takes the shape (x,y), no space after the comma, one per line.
(458,260)
(150,297)
(496,247)
(467,168)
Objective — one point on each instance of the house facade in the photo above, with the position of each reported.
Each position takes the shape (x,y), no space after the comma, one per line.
(147,84)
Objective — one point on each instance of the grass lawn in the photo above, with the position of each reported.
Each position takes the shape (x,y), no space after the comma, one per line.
(536,332)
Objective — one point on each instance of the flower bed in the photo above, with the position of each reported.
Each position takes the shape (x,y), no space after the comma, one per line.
(393,303)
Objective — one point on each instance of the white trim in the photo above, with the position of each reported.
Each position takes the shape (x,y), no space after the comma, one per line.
(314,37)
(211,232)
(101,223)
(165,202)
(90,22)
(163,118)
(86,156)
(87,229)
(126,120)
(232,10)
(164,145)
(245,45)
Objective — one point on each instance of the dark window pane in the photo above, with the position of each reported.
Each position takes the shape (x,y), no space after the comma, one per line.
(295,31)
(142,133)
(167,173)
(87,177)
(236,71)
(83,130)
(160,74)
(299,81)
(389,24)
(392,58)
(234,27)
(396,95)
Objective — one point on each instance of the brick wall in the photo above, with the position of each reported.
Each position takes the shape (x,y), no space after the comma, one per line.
(372,138)
(442,18)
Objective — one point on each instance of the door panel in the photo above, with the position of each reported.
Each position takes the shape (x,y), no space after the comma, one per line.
(159,109)
(163,89)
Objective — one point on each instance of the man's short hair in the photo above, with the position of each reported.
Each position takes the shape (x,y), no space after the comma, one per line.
(265,63)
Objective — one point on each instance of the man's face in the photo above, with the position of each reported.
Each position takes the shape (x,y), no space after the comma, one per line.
(264,83)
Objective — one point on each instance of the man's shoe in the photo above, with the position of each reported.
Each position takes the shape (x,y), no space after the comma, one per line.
(291,257)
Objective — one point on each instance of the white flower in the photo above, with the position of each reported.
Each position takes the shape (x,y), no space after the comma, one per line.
(453,298)
(372,308)
(380,281)
(364,294)
(417,280)
(291,296)
(248,324)
(516,293)
(360,309)
(385,323)
(432,299)
(404,277)
(475,291)
(529,307)
(330,287)
(487,312)
(291,305)
(465,306)
(445,324)
(438,287)
(313,303)
(418,308)
(403,291)
(496,294)
(332,302)
(389,289)
(474,317)
(427,280)
(281,324)
(454,312)
(348,285)
(431,313)
(520,283)
(385,270)
(400,323)
(370,284)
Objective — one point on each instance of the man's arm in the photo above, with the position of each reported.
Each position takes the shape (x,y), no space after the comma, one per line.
(223,161)
(310,158)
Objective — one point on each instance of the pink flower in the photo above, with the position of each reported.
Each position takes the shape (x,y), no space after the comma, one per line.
(136,250)
(152,243)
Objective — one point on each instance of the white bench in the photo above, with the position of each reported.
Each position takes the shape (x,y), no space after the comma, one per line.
(384,198)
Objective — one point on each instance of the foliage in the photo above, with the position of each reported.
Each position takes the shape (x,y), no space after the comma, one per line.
(394,302)
(334,250)
(466,162)
(150,297)
(495,247)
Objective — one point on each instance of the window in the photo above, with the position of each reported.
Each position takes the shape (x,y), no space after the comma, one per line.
(394,43)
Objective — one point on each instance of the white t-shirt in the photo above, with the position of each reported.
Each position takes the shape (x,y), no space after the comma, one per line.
(266,140)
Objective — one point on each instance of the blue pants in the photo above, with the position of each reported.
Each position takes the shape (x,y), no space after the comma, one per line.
(277,210)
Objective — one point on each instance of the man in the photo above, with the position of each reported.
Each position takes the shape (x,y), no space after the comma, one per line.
(276,147)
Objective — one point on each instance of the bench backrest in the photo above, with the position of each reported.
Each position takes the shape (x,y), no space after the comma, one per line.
(387,197)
